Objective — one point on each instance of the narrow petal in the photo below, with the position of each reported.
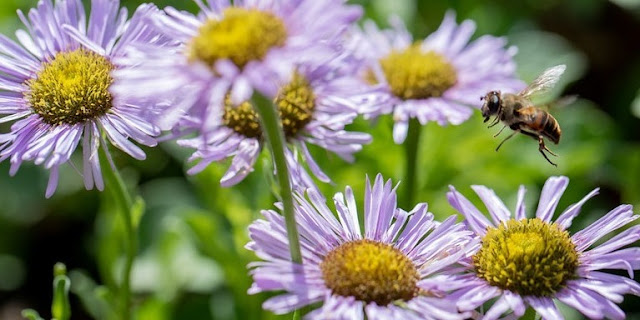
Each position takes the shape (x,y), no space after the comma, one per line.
(477,296)
(242,163)
(497,309)
(312,164)
(400,129)
(348,214)
(544,307)
(565,219)
(497,209)
(625,259)
(520,207)
(580,301)
(474,218)
(550,196)
(613,220)
(53,182)
(622,239)
(515,303)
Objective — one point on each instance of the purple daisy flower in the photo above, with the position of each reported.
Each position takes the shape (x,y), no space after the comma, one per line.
(315,106)
(534,261)
(56,82)
(438,78)
(386,271)
(230,50)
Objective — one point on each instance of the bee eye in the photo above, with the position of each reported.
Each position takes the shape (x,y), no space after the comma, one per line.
(494,103)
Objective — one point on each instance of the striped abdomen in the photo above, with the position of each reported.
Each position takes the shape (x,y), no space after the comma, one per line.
(540,122)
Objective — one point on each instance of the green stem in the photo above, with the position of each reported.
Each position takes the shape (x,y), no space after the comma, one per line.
(123,200)
(411,146)
(272,127)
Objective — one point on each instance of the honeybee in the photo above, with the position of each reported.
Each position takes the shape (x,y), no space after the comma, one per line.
(518,113)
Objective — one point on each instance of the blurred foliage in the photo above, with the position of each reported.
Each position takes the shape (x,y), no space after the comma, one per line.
(60,307)
(192,263)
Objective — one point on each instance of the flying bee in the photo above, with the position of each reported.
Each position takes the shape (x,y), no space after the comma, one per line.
(518,113)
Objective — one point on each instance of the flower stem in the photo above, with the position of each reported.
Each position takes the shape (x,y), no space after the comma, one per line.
(411,146)
(272,127)
(116,186)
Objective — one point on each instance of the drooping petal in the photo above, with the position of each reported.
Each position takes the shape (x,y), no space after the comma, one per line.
(544,307)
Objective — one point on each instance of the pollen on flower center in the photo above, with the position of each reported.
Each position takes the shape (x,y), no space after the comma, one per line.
(295,102)
(71,88)
(529,257)
(242,118)
(242,35)
(414,74)
(370,271)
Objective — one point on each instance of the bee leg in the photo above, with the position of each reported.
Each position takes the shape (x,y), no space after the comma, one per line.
(505,139)
(499,132)
(542,148)
(496,121)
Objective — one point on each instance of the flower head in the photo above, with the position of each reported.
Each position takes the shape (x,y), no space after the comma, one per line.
(56,85)
(228,52)
(438,78)
(316,104)
(387,271)
(535,261)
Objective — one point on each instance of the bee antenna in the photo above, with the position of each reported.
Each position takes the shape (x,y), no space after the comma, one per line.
(481,98)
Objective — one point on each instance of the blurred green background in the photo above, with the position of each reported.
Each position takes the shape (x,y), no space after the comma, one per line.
(192,262)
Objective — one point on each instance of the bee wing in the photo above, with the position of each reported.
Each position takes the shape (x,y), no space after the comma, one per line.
(560,102)
(545,81)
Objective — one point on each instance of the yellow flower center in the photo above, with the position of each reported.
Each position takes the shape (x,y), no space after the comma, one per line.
(414,74)
(528,257)
(71,88)
(295,102)
(242,118)
(370,271)
(242,35)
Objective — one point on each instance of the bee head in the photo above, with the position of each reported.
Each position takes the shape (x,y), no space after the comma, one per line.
(491,104)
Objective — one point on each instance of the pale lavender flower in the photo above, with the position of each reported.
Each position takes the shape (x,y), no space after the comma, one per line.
(517,250)
(229,50)
(385,271)
(326,99)
(55,84)
(440,78)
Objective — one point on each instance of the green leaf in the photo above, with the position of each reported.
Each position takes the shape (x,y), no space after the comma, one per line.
(60,307)
(635,105)
(31,314)
(96,300)
(137,210)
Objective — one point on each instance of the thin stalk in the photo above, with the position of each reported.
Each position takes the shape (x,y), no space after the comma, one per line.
(116,185)
(272,127)
(411,146)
